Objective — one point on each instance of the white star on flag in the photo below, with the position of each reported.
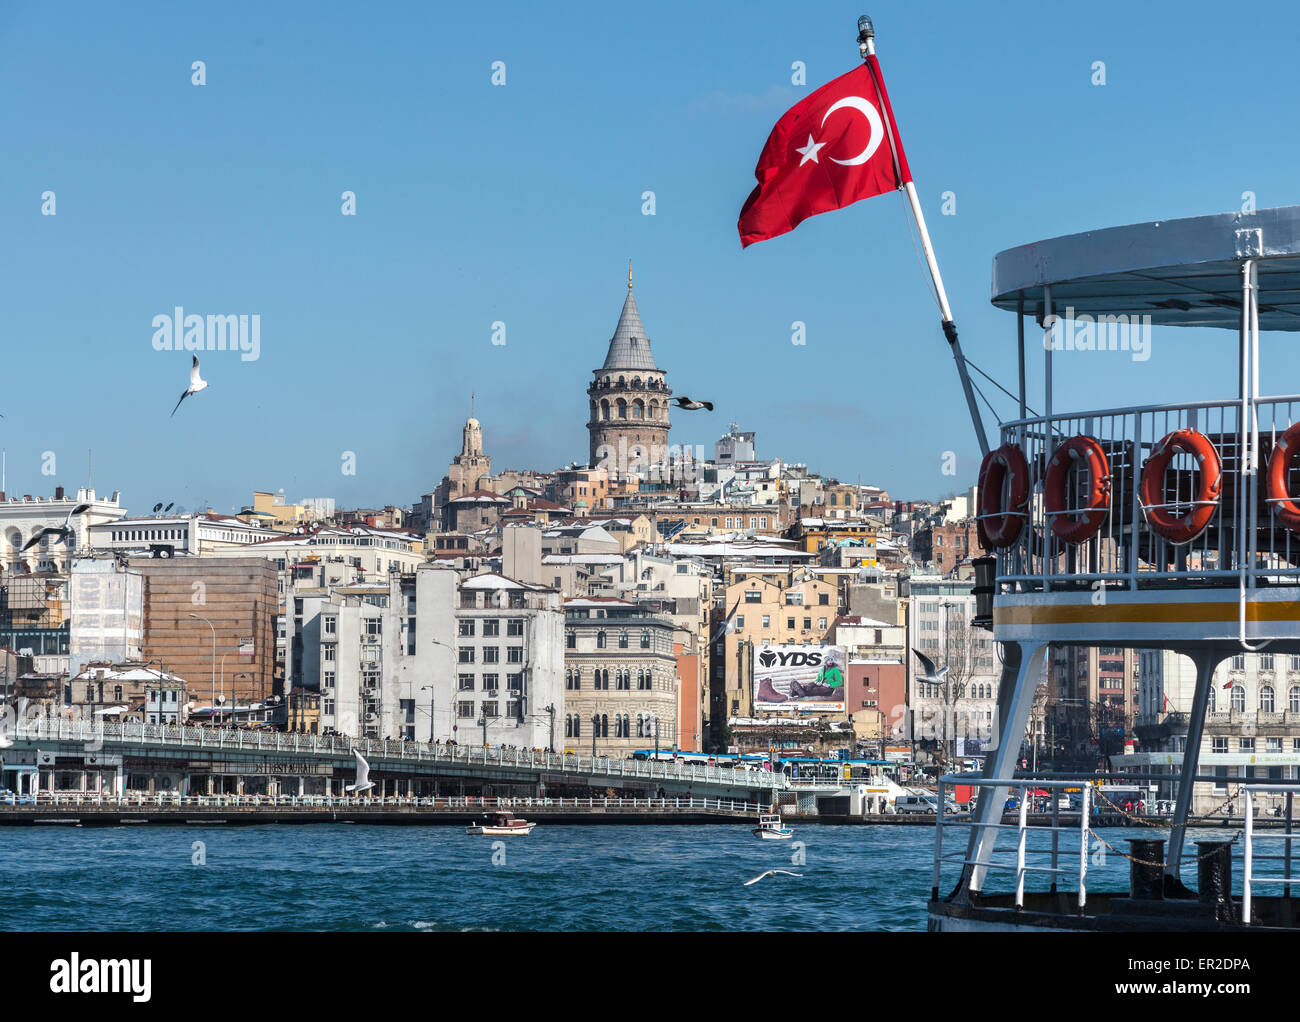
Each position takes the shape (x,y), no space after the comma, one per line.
(809,152)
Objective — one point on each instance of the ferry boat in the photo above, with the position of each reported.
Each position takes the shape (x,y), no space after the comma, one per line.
(1163,526)
(769,829)
(501,824)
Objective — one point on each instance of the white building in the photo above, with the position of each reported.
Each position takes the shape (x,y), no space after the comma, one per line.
(423,656)
(25,517)
(202,533)
(939,625)
(1252,724)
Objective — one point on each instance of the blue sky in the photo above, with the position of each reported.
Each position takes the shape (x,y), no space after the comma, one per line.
(523,203)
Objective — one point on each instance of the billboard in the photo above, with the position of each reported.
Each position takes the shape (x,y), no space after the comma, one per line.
(799,678)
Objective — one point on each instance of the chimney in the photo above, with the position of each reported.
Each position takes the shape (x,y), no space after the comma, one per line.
(58,493)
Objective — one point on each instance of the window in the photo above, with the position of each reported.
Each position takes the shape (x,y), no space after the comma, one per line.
(1266,699)
(644,680)
(600,679)
(645,639)
(1239,698)
(1239,662)
(573,680)
(514,708)
(515,682)
(753,596)
(1266,661)
(1273,744)
(491,626)
(767,620)
(515,626)
(490,682)
(331,625)
(740,620)
(514,654)
(465,708)
(465,682)
(1293,699)
(600,640)
(490,709)
(1245,744)
(571,640)
(467,627)
(624,680)
(622,640)
(824,599)
(330,652)
(466,654)
(491,654)
(327,679)
(577,726)
(789,622)
(807,624)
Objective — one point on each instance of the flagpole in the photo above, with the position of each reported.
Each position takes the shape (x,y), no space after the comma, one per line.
(867,48)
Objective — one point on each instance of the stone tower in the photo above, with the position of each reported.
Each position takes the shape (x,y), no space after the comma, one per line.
(628,398)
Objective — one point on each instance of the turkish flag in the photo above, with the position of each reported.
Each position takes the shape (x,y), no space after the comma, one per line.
(826,152)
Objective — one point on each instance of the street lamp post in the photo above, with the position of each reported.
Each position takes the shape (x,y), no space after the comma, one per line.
(213,697)
(595,729)
(551,710)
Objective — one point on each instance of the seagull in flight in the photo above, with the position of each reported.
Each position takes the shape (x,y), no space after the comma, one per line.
(931,676)
(728,625)
(197,383)
(692,406)
(64,531)
(364,783)
(770,873)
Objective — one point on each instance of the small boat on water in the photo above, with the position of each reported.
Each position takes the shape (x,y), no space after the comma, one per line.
(769,829)
(500,823)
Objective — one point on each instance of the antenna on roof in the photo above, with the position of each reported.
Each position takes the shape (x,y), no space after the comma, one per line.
(629,274)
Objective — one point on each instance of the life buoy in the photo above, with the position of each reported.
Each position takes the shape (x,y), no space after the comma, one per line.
(1158,517)
(1002,525)
(1087,451)
(1280,462)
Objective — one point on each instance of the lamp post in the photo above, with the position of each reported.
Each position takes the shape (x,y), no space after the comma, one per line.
(551,710)
(595,730)
(432,720)
(213,697)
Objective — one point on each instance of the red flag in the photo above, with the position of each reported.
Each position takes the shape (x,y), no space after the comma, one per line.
(826,152)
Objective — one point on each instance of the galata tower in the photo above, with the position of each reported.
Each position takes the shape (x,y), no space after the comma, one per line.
(628,397)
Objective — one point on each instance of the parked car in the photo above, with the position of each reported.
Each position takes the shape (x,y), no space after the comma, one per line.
(914,804)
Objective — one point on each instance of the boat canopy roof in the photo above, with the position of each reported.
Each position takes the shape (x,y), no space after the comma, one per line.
(1179,272)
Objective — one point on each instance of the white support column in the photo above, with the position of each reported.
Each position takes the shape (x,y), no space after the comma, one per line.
(1020,675)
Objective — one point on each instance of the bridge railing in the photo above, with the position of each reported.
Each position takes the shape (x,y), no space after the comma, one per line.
(470,803)
(188,736)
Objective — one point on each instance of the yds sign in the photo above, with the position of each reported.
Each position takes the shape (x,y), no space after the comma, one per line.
(799,678)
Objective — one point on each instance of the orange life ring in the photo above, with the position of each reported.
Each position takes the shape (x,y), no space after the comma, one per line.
(1279,467)
(1002,525)
(1087,451)
(1158,517)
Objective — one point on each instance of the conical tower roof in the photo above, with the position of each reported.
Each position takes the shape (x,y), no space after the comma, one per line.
(629,348)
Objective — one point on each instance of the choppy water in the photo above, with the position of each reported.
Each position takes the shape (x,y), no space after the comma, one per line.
(356,877)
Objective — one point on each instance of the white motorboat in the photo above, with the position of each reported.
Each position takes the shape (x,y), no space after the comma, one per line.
(769,829)
(500,824)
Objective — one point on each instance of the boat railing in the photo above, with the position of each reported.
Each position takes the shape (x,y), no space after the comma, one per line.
(1250,857)
(1242,544)
(1026,858)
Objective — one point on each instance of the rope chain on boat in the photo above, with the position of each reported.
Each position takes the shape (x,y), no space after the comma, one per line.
(1132,816)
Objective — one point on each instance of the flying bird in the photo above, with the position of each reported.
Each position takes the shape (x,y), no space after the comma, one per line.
(931,676)
(364,783)
(692,406)
(64,531)
(197,383)
(157,507)
(728,625)
(769,873)
(169,507)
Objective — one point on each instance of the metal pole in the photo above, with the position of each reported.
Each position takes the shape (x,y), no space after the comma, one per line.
(867,48)
(213,696)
